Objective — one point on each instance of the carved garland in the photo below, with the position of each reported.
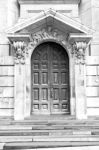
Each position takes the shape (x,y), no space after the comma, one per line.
(50,34)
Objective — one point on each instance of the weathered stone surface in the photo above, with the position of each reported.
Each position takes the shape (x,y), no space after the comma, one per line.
(80,92)
(85,12)
(28,10)
(20,95)
(6,81)
(7,60)
(6,92)
(91,70)
(6,70)
(15,138)
(92,60)
(4,49)
(12,12)
(95,47)
(93,102)
(92,81)
(93,112)
(6,112)
(3,15)
(92,91)
(27,101)
(6,102)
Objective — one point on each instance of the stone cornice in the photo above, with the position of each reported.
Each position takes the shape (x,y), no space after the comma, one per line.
(49,1)
(13,37)
(79,37)
(54,15)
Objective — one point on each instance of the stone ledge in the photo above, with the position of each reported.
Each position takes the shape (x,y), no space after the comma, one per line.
(48,1)
(33,145)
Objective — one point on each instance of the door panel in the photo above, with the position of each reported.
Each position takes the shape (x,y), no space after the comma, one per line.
(50,79)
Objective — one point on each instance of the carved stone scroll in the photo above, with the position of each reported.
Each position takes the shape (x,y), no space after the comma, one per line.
(79,52)
(19,48)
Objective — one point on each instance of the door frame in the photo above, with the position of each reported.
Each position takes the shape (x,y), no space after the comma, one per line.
(36,49)
(23,108)
(27,104)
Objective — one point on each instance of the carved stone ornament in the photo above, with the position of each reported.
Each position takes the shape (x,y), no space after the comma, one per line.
(20,51)
(79,52)
(48,34)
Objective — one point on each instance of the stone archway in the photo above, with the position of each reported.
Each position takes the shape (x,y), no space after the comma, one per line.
(50,79)
(23,63)
(23,55)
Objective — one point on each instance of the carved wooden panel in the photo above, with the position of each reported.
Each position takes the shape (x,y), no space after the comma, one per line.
(50,79)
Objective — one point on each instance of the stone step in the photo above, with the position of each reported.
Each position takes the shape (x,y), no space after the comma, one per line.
(34,145)
(56,122)
(50,138)
(29,131)
(52,122)
(48,127)
(15,127)
(45,132)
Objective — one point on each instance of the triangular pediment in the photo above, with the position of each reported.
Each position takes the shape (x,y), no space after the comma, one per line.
(50,18)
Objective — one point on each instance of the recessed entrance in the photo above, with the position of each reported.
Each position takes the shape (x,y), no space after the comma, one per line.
(50,80)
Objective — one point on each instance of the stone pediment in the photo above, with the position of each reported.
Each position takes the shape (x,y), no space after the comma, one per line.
(49,18)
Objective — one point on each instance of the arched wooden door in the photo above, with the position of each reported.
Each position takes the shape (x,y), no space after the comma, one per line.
(50,79)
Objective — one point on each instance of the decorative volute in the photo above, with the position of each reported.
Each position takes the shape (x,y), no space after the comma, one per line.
(79,49)
(19,50)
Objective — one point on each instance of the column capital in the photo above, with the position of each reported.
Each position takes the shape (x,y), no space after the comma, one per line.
(78,51)
(19,50)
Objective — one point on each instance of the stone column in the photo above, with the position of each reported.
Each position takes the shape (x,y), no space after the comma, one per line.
(12,12)
(20,81)
(80,79)
(27,102)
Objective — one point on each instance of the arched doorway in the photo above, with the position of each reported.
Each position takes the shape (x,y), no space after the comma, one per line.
(50,79)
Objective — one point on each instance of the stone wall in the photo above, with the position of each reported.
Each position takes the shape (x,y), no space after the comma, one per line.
(4,47)
(9,12)
(85,12)
(92,85)
(89,9)
(6,86)
(95,26)
(6,66)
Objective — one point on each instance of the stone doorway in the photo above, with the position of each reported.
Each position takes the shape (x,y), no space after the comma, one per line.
(50,92)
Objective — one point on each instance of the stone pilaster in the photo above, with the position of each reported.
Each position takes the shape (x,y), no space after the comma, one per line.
(20,84)
(12,12)
(80,80)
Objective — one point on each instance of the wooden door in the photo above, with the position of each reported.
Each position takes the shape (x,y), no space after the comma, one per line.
(50,79)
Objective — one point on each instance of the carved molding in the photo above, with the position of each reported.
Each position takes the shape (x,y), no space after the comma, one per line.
(79,52)
(19,48)
(48,34)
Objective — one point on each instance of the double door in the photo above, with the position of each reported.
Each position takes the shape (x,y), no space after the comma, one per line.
(50,79)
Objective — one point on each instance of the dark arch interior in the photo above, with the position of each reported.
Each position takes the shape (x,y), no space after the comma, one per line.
(62,49)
